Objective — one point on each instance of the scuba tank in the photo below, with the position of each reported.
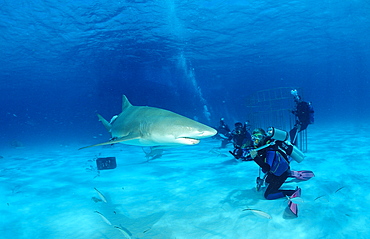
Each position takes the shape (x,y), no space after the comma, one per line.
(291,150)
(296,154)
(277,134)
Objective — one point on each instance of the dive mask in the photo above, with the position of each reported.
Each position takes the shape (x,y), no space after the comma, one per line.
(256,138)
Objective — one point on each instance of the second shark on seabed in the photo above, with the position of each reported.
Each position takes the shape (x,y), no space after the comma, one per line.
(150,126)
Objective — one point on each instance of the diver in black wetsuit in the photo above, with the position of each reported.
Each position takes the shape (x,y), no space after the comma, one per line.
(304,116)
(273,154)
(241,139)
(224,133)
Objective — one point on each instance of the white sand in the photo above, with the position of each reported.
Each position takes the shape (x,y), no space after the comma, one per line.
(191,192)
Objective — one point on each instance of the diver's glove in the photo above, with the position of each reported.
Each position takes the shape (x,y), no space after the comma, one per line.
(246,155)
(237,153)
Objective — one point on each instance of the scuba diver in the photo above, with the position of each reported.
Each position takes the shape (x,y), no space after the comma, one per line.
(224,133)
(241,139)
(273,154)
(274,162)
(304,115)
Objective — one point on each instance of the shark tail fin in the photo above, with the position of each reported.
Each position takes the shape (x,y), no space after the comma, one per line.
(125,103)
(106,124)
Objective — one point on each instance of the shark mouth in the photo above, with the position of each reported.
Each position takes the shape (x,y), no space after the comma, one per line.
(188,141)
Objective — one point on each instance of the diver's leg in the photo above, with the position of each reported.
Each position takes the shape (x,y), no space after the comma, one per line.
(293,133)
(275,182)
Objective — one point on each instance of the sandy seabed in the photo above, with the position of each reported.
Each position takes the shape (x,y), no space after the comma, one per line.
(190,192)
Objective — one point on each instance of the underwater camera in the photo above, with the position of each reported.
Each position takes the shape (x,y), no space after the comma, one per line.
(106,163)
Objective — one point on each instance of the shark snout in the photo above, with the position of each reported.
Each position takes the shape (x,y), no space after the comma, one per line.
(197,134)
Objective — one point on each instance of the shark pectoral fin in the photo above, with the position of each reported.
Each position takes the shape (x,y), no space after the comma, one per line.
(117,140)
(106,124)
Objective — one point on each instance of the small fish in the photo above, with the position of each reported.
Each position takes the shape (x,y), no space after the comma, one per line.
(339,189)
(123,232)
(213,151)
(218,153)
(296,200)
(147,230)
(104,218)
(259,213)
(101,195)
(322,198)
(154,153)
(319,197)
(96,199)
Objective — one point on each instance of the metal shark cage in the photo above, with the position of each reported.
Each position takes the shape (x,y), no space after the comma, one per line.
(273,107)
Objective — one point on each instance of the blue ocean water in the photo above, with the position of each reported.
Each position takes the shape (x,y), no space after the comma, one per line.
(64,61)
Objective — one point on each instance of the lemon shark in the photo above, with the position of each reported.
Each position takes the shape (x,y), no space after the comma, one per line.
(150,126)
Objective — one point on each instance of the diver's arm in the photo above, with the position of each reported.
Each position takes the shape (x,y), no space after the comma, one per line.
(259,159)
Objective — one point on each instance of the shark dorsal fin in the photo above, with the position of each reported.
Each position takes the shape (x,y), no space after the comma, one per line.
(125,103)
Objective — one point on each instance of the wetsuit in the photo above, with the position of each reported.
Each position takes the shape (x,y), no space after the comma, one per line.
(303,113)
(242,141)
(224,133)
(274,161)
